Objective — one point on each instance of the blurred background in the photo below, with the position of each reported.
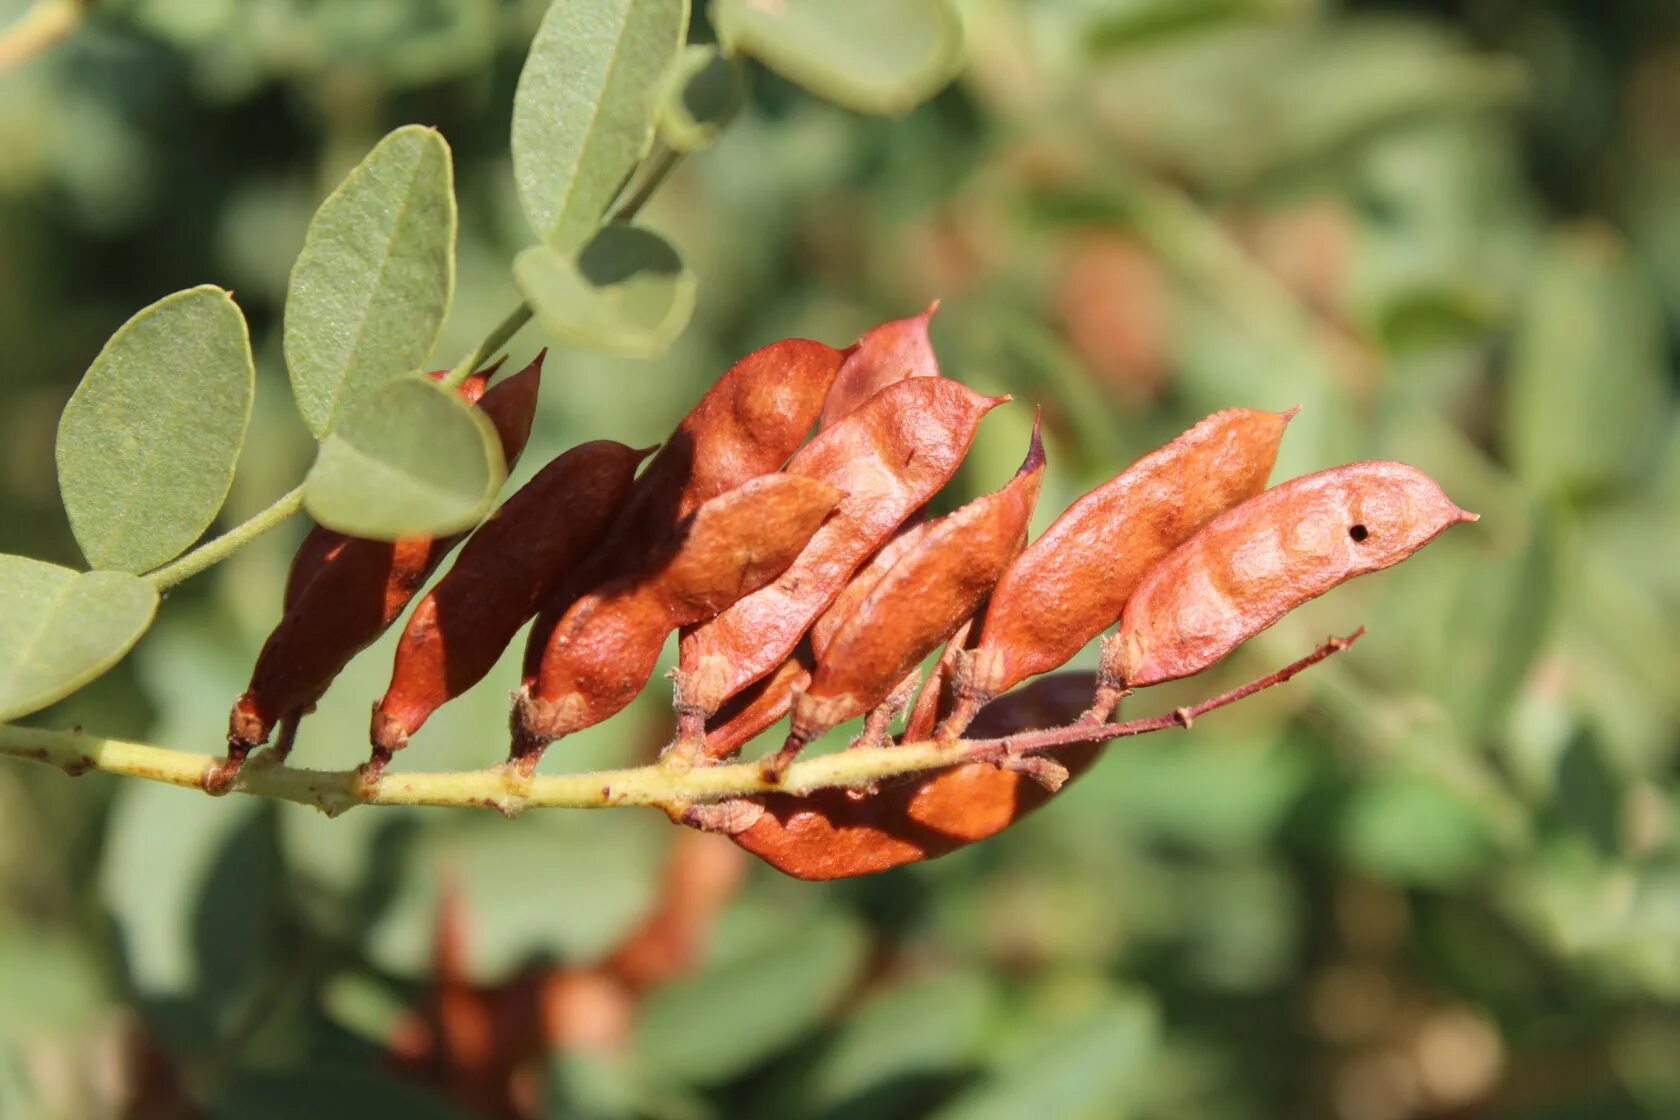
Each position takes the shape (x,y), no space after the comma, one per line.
(1436,877)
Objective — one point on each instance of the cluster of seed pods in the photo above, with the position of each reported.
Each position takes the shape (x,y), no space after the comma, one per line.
(804,578)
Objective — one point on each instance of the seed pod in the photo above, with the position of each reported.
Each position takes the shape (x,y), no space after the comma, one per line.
(936,696)
(830,834)
(889,457)
(1251,566)
(604,649)
(921,600)
(747,424)
(757,706)
(890,352)
(1070,584)
(358,592)
(460,628)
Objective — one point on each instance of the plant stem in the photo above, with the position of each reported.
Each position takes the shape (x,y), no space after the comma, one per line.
(215,551)
(493,342)
(654,785)
(519,316)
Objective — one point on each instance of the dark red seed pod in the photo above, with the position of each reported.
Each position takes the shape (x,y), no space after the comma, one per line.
(458,631)
(357,594)
(604,649)
(747,424)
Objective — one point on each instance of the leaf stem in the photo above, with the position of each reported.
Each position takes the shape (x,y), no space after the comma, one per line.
(494,341)
(504,790)
(219,549)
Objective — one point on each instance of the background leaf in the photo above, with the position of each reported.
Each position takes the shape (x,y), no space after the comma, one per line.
(625,292)
(148,442)
(703,92)
(1587,394)
(583,114)
(409,460)
(61,628)
(373,284)
(874,56)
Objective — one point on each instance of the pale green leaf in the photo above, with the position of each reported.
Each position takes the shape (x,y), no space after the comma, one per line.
(752,1006)
(60,628)
(1585,394)
(874,56)
(148,442)
(410,460)
(625,292)
(702,93)
(583,113)
(373,284)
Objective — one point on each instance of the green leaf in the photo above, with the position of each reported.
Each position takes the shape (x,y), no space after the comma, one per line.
(1077,1068)
(410,460)
(625,292)
(373,284)
(60,628)
(583,113)
(753,1005)
(702,93)
(1585,391)
(148,442)
(874,56)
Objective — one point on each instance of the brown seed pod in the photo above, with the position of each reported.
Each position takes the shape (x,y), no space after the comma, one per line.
(928,591)
(1069,585)
(1254,564)
(323,545)
(747,424)
(460,628)
(936,698)
(757,706)
(889,456)
(358,591)
(831,834)
(890,352)
(604,649)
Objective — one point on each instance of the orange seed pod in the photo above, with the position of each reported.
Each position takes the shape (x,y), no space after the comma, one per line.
(1069,585)
(934,585)
(460,628)
(1254,564)
(894,350)
(889,457)
(831,834)
(604,649)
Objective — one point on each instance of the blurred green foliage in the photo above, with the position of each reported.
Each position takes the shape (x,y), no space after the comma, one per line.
(1438,876)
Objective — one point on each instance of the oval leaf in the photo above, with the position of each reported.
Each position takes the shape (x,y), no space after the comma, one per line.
(874,56)
(60,628)
(625,292)
(583,113)
(409,460)
(703,92)
(370,290)
(148,442)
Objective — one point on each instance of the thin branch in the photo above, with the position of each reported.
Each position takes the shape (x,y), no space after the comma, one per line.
(509,793)
(215,551)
